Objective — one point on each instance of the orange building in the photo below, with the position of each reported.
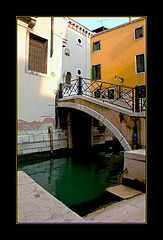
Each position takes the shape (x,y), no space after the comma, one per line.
(118,55)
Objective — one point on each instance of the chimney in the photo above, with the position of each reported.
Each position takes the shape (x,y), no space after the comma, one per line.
(129,19)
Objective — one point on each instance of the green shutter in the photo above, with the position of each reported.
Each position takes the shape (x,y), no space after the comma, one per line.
(92,72)
(93,47)
(99,71)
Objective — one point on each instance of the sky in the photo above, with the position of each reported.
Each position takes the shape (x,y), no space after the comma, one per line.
(96,22)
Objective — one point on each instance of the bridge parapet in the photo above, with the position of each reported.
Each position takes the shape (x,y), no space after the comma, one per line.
(133,99)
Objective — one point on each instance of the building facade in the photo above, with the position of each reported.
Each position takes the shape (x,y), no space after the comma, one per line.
(75,52)
(118,55)
(50,50)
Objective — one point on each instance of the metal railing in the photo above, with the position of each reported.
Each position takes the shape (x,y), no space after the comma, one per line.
(132,98)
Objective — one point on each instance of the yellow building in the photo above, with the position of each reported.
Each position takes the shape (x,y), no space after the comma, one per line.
(118,55)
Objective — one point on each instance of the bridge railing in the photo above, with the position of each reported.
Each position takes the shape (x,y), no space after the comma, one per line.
(132,98)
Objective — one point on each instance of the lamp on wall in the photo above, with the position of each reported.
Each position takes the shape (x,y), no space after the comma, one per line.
(121,79)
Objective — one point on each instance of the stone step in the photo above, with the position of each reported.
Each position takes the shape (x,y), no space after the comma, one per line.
(123,191)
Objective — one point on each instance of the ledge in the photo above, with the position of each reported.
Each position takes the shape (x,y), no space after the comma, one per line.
(104,104)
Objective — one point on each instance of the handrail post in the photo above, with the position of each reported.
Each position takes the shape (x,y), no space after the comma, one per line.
(133,100)
(79,86)
(60,90)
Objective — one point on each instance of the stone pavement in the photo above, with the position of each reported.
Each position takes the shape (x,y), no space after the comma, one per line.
(132,210)
(36,205)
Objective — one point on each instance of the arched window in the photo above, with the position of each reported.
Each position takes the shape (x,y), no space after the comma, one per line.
(68,78)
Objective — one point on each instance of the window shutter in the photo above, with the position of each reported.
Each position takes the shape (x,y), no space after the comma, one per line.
(93,47)
(92,72)
(143,30)
(99,44)
(38,48)
(99,71)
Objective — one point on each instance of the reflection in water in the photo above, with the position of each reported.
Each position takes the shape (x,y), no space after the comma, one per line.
(79,178)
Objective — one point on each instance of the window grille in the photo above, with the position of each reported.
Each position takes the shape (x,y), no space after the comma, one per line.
(37,54)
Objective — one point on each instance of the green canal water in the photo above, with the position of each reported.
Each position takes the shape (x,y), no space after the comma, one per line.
(79,178)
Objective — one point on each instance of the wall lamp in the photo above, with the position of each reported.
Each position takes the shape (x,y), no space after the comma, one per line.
(121,79)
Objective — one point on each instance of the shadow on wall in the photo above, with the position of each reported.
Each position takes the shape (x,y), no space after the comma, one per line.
(81,130)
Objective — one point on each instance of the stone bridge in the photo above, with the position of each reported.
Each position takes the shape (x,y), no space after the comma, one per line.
(127,126)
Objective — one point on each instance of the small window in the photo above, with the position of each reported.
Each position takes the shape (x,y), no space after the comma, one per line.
(96,72)
(96,46)
(140,63)
(68,78)
(111,93)
(38,51)
(139,32)
(79,41)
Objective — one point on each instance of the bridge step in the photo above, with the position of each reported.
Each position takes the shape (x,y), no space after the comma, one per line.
(123,191)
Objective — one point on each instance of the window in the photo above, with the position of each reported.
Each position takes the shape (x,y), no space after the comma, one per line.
(68,78)
(139,32)
(96,72)
(111,93)
(96,46)
(140,63)
(38,50)
(79,41)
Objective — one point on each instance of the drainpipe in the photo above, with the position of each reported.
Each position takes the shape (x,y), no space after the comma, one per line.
(52,36)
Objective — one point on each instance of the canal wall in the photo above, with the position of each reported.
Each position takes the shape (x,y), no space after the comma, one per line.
(41,141)
(135,165)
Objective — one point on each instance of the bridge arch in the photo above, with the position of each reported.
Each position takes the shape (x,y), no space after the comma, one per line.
(101,118)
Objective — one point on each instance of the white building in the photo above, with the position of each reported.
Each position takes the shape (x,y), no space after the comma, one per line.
(76,51)
(50,50)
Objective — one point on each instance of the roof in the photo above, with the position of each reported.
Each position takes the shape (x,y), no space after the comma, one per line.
(119,26)
(100,29)
(78,24)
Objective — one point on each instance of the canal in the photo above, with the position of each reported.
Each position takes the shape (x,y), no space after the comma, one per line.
(78,180)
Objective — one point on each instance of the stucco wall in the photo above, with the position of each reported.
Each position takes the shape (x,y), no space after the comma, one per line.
(36,92)
(79,58)
(117,54)
(35,95)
